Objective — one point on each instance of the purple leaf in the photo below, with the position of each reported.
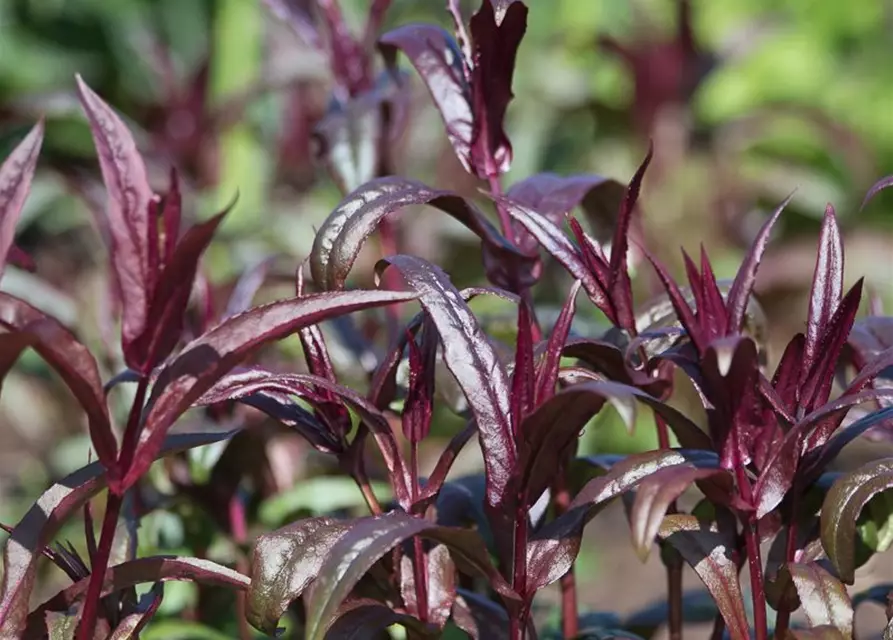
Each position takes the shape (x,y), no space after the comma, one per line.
(739,294)
(246,287)
(654,496)
(827,287)
(165,320)
(547,372)
(559,247)
(16,174)
(876,188)
(480,617)
(419,405)
(683,311)
(553,196)
(439,61)
(473,362)
(341,236)
(441,585)
(362,618)
(140,571)
(44,519)
(444,464)
(30,327)
(619,288)
(710,553)
(284,563)
(208,358)
(605,358)
(786,380)
(367,541)
(129,195)
(841,509)
(823,598)
(299,15)
(135,622)
(553,549)
(495,46)
(523,374)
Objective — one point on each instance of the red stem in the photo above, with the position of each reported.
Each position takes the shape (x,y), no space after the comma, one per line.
(239,528)
(754,561)
(783,619)
(419,562)
(570,623)
(505,220)
(132,431)
(518,623)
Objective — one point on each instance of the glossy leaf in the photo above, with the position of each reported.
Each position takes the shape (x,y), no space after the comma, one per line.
(473,362)
(129,194)
(367,541)
(480,617)
(440,587)
(207,359)
(342,234)
(841,509)
(30,327)
(284,563)
(654,496)
(133,623)
(547,371)
(827,286)
(362,618)
(709,552)
(44,519)
(823,598)
(495,45)
(16,174)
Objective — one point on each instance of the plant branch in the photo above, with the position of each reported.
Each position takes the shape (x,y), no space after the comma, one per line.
(783,619)
(754,561)
(570,624)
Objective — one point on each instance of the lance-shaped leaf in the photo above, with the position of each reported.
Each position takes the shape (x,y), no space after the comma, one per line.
(127,184)
(547,371)
(823,598)
(44,519)
(495,42)
(207,359)
(16,174)
(827,287)
(300,16)
(440,586)
(876,188)
(439,61)
(841,509)
(284,563)
(742,287)
(342,234)
(134,622)
(367,541)
(30,327)
(360,618)
(473,362)
(654,496)
(553,549)
(553,196)
(480,617)
(419,405)
(140,571)
(167,307)
(709,552)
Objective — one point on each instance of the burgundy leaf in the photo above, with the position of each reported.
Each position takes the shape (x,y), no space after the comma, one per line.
(134,623)
(129,195)
(553,549)
(349,61)
(473,362)
(246,287)
(165,320)
(683,311)
(208,358)
(480,617)
(284,563)
(440,586)
(711,306)
(710,554)
(786,380)
(495,46)
(30,327)
(739,294)
(607,359)
(841,509)
(16,174)
(341,236)
(558,246)
(44,519)
(547,372)
(299,15)
(877,187)
(444,464)
(823,598)
(362,618)
(316,353)
(367,541)
(654,496)
(619,288)
(523,374)
(553,196)
(171,214)
(439,61)
(419,405)
(827,287)
(142,570)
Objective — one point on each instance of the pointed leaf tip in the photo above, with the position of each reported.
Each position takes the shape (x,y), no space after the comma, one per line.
(16,175)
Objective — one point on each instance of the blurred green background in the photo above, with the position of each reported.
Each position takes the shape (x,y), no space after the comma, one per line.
(776,96)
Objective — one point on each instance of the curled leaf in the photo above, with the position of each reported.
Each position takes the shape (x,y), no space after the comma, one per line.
(823,598)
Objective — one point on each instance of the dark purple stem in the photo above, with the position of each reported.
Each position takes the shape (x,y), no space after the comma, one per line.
(570,623)
(419,564)
(99,563)
(505,221)
(783,619)
(754,561)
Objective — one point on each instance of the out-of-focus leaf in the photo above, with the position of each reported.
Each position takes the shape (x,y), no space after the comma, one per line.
(367,541)
(473,362)
(342,234)
(44,519)
(285,562)
(129,195)
(876,188)
(207,359)
(824,632)
(697,607)
(709,552)
(30,327)
(823,598)
(300,16)
(654,495)
(131,625)
(16,174)
(479,617)
(841,509)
